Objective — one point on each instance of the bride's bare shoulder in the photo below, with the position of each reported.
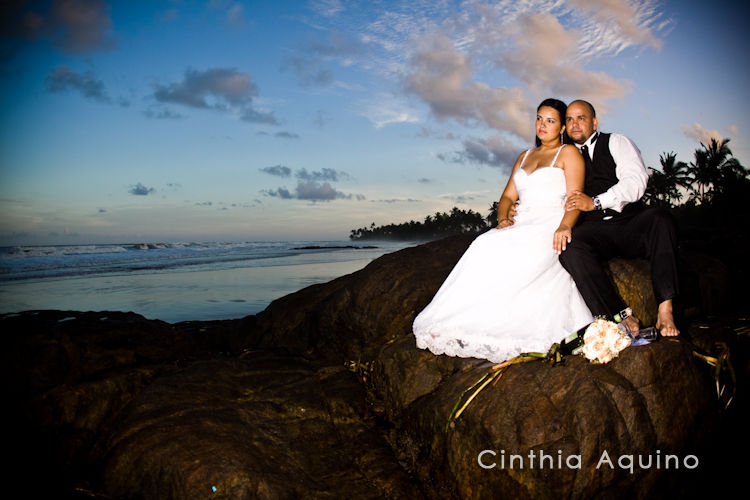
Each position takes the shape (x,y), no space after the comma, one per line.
(520,158)
(522,154)
(570,151)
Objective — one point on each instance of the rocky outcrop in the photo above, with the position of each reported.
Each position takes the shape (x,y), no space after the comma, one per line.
(652,400)
(324,394)
(261,426)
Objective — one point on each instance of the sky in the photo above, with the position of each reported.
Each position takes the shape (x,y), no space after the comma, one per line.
(221,120)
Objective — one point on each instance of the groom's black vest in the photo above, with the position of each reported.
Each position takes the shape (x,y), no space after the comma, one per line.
(602,176)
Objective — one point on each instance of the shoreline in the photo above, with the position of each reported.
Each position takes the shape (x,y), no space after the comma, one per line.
(178,296)
(217,283)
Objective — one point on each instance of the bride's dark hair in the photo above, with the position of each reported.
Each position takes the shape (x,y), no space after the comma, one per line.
(561,108)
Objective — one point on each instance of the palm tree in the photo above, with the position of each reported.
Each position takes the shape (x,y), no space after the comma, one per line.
(492,215)
(657,190)
(714,170)
(664,186)
(702,176)
(729,167)
(676,173)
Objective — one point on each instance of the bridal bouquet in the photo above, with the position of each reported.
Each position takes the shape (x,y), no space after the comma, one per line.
(603,341)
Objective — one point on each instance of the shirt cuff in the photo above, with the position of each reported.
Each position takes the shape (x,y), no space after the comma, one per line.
(609,201)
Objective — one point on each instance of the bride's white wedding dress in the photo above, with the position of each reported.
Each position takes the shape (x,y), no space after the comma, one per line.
(508,294)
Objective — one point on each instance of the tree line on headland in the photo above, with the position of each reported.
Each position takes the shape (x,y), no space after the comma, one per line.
(434,227)
(713,189)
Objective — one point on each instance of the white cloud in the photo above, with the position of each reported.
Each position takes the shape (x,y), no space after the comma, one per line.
(325,174)
(442,77)
(311,190)
(141,190)
(73,26)
(449,56)
(61,79)
(697,132)
(310,61)
(386,109)
(494,151)
(222,89)
(614,25)
(317,191)
(277,170)
(311,186)
(546,58)
(199,87)
(328,8)
(236,15)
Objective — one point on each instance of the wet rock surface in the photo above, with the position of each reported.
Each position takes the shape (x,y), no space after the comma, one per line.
(325,395)
(264,425)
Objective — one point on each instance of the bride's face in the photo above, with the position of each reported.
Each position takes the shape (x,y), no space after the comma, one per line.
(549,126)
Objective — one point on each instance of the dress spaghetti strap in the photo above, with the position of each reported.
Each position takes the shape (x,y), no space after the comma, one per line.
(554,160)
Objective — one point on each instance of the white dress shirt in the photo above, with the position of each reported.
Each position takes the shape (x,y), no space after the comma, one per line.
(631,173)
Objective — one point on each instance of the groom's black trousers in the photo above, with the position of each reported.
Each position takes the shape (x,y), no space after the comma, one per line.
(640,233)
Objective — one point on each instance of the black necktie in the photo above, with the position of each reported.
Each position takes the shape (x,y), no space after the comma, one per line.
(586,157)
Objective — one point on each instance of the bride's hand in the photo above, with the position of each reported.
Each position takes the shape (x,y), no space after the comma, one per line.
(504,223)
(562,237)
(579,201)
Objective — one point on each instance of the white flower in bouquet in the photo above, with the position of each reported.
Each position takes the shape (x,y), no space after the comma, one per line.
(603,341)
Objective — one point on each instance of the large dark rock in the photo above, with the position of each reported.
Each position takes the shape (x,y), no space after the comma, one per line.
(67,376)
(261,426)
(265,407)
(651,400)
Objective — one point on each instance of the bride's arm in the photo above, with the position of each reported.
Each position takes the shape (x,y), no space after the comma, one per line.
(575,171)
(508,198)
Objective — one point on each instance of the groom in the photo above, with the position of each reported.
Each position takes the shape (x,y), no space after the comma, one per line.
(615,223)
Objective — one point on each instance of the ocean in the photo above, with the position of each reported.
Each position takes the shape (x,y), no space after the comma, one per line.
(174,282)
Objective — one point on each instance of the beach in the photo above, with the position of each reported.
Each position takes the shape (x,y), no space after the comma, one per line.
(174,282)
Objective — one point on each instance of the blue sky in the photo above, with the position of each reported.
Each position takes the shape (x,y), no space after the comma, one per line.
(301,120)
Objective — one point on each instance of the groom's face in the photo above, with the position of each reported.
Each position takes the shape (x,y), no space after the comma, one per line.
(579,122)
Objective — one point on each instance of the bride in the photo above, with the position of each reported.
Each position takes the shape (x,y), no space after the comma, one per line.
(508,294)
